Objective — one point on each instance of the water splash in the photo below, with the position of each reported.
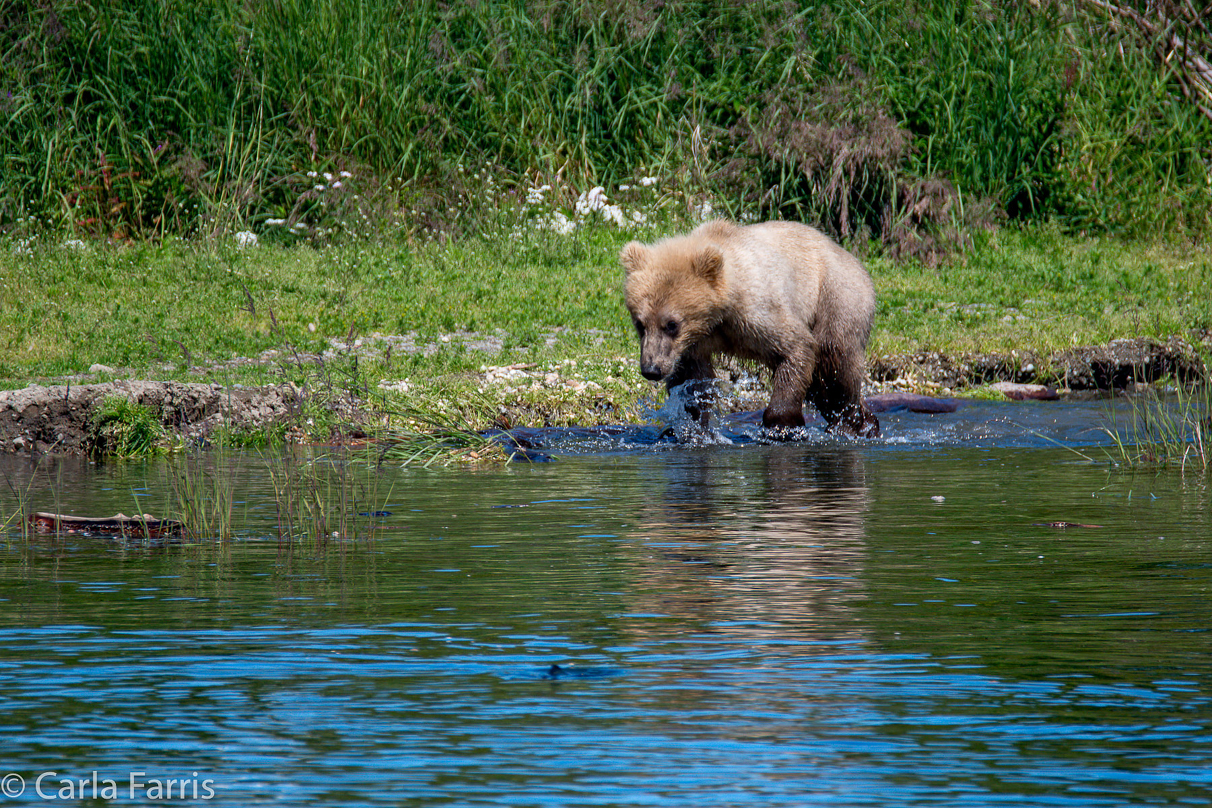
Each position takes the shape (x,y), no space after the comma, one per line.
(976,424)
(678,415)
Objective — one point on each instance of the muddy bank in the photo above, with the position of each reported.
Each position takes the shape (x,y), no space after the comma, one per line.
(61,418)
(1114,366)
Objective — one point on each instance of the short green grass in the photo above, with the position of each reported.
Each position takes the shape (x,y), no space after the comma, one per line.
(169,307)
(1037,289)
(185,311)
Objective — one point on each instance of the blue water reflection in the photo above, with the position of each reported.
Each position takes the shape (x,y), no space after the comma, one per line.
(842,623)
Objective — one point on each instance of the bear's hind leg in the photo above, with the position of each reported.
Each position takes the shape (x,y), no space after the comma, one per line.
(837,394)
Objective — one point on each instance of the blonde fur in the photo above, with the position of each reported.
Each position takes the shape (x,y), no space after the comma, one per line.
(780,293)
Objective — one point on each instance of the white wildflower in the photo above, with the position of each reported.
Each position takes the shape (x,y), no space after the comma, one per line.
(327,177)
(556,222)
(74,244)
(312,174)
(624,188)
(561,223)
(613,213)
(704,211)
(245,239)
(346,174)
(275,222)
(646,181)
(320,187)
(591,200)
(336,184)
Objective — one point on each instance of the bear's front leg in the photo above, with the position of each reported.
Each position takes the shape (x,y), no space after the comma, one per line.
(789,387)
(696,369)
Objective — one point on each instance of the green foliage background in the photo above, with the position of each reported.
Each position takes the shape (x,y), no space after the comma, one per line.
(901,121)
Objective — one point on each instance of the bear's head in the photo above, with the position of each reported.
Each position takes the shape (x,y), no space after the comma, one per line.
(674,290)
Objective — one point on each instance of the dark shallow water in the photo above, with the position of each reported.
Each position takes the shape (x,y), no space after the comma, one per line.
(734,625)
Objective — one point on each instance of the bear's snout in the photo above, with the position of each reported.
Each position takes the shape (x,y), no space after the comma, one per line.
(658,355)
(651,372)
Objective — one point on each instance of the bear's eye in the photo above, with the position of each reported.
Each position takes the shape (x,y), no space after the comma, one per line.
(639,327)
(672,328)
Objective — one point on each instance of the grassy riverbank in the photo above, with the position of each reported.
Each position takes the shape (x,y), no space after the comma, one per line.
(399,215)
(421,188)
(525,322)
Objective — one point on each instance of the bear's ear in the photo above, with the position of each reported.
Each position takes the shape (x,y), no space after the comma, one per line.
(632,256)
(708,264)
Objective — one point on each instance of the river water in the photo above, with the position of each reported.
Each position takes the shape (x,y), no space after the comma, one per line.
(845,623)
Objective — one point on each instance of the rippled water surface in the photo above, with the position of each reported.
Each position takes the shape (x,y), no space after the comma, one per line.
(885,623)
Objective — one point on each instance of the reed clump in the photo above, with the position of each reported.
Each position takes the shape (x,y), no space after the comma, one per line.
(901,122)
(1167,432)
(202,494)
(326,497)
(21,509)
(425,435)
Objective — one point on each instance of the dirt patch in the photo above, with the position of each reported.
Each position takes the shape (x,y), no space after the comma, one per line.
(60,418)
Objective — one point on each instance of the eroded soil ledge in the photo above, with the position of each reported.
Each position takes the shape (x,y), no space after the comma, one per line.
(1113,366)
(60,418)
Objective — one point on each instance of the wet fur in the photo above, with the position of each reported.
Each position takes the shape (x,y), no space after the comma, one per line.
(779,293)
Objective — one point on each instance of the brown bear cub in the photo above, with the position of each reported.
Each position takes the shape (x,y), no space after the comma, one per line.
(779,293)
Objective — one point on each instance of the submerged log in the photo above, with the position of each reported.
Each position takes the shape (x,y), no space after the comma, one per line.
(119,524)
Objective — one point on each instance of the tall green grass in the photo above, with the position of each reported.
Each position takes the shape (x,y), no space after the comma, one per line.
(137,118)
